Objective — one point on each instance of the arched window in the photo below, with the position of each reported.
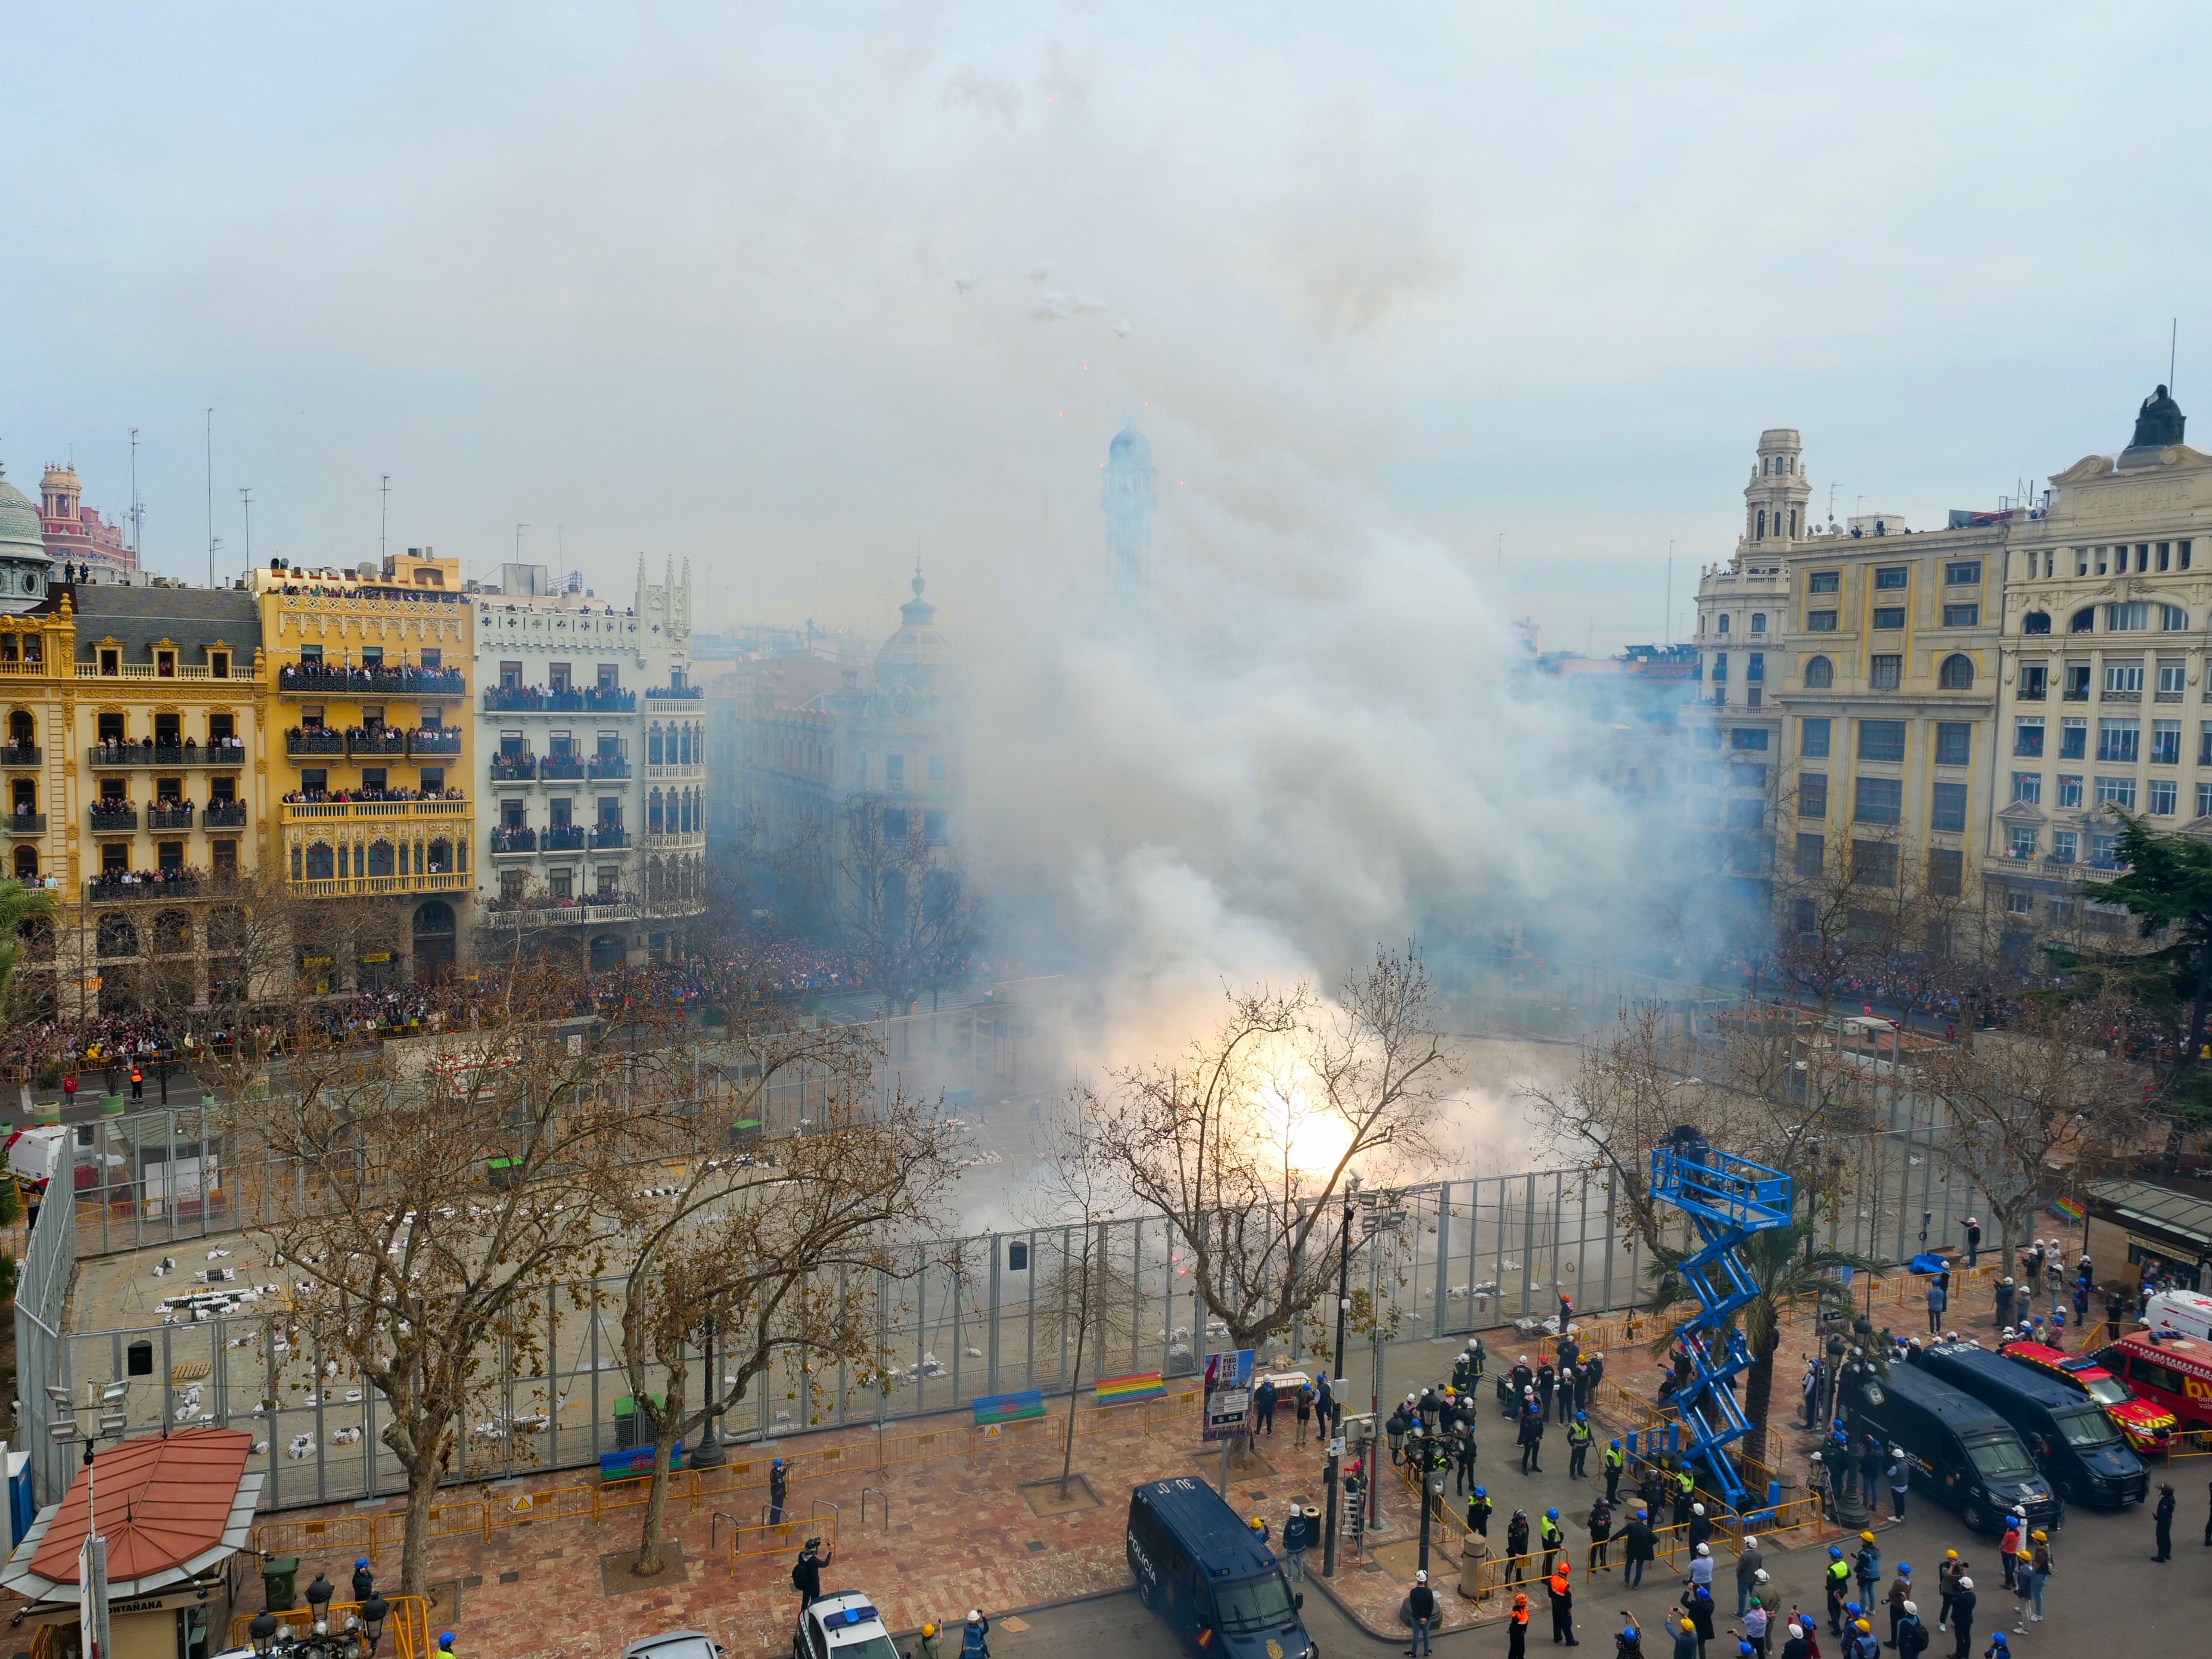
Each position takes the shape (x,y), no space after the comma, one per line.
(20,729)
(2036,622)
(652,746)
(380,858)
(2084,620)
(26,863)
(1957,674)
(1758,622)
(434,916)
(2173,619)
(441,860)
(1820,673)
(320,865)
(117,937)
(37,934)
(1762,525)
(653,813)
(173,932)
(2130,616)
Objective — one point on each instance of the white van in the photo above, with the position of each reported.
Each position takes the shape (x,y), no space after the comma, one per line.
(2184,1313)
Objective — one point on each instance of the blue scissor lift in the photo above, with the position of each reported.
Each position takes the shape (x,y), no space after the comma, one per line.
(1727,1198)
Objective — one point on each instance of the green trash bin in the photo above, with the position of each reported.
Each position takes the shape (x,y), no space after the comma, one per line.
(278,1575)
(114,1105)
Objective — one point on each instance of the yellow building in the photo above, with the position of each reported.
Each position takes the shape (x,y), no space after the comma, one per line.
(134,787)
(372,755)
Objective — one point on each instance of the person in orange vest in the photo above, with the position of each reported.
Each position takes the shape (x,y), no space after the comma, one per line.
(137,1081)
(1516,1628)
(1562,1586)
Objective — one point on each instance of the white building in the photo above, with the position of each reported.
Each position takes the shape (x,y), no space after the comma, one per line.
(593,740)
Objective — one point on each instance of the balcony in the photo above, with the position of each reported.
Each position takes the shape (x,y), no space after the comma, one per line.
(124,886)
(609,836)
(22,754)
(26,824)
(554,767)
(225,815)
(323,679)
(2169,696)
(121,816)
(435,740)
(672,772)
(602,767)
(165,754)
(314,740)
(317,812)
(560,700)
(2111,696)
(559,912)
(513,839)
(513,769)
(384,741)
(676,693)
(441,881)
(565,838)
(178,817)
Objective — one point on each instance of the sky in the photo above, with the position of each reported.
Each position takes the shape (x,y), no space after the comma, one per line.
(807,294)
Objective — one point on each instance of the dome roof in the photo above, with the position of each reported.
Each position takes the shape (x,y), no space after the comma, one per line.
(917,644)
(22,533)
(1130,450)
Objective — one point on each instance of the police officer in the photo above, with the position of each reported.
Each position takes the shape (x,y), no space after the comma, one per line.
(1532,1438)
(1579,1436)
(1463,1451)
(1547,1380)
(1549,1538)
(1836,1580)
(778,1485)
(1615,1460)
(1516,1545)
(2163,1515)
(1600,1532)
(1463,1368)
(1478,1513)
(2004,1300)
(1685,1485)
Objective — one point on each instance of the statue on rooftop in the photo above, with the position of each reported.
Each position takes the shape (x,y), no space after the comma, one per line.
(2158,423)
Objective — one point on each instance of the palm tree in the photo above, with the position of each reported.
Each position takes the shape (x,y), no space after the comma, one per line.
(1787,1273)
(18,904)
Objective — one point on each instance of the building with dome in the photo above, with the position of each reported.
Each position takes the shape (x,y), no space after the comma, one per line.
(848,788)
(75,533)
(24,564)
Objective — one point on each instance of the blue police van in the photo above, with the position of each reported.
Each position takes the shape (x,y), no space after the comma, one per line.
(1201,1569)
(2068,1434)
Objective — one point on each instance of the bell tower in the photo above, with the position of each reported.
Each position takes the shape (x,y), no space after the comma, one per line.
(1775,499)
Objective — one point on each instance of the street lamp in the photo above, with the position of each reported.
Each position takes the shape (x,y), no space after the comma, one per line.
(108,1421)
(373,1613)
(262,1632)
(1425,1449)
(1334,1428)
(1380,1214)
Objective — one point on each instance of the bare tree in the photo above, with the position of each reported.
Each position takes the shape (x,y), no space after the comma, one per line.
(1077,1180)
(2029,1108)
(1243,1144)
(908,911)
(759,1246)
(446,1202)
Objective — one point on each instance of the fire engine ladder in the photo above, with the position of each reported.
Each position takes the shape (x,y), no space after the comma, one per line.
(1727,1198)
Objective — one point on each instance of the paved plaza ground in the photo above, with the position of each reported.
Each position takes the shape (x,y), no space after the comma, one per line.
(982,1527)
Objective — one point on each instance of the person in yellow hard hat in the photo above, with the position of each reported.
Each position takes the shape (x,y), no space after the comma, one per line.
(1259,1528)
(927,1648)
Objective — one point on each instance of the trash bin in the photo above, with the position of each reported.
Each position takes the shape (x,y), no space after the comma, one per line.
(1470,1567)
(278,1573)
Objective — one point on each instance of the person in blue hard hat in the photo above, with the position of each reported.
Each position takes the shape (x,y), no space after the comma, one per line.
(1579,1436)
(1615,1460)
(445,1641)
(364,1581)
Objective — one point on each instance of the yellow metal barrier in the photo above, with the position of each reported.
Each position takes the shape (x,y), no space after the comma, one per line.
(769,1537)
(2189,1442)
(406,1627)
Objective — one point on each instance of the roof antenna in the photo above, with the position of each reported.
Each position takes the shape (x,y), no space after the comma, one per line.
(2172,345)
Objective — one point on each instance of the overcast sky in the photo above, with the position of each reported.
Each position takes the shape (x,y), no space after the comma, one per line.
(682,280)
